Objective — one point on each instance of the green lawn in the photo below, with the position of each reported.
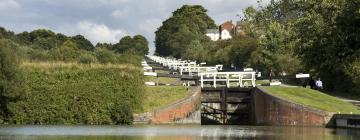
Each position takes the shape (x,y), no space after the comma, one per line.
(163,80)
(312,98)
(262,82)
(158,96)
(162,71)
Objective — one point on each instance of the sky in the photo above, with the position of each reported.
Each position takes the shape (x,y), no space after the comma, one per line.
(107,20)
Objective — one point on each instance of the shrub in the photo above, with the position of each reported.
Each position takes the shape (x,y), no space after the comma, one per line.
(87,58)
(11,85)
(79,95)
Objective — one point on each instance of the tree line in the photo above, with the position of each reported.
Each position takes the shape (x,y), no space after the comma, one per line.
(45,45)
(284,37)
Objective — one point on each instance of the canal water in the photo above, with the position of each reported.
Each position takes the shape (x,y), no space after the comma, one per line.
(174,132)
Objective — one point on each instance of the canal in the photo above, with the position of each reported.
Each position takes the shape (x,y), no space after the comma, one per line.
(173,132)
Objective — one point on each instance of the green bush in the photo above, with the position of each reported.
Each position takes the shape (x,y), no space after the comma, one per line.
(79,95)
(87,58)
(120,113)
(11,85)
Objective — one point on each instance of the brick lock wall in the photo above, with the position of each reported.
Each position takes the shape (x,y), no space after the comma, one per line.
(179,110)
(271,110)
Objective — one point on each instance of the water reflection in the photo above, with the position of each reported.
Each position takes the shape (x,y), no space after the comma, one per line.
(173,132)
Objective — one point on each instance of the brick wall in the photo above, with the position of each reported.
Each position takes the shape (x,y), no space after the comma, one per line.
(271,110)
(178,110)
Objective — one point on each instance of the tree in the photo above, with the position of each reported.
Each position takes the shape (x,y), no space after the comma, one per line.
(136,45)
(11,80)
(82,43)
(187,23)
(124,44)
(44,43)
(24,38)
(41,33)
(108,46)
(4,34)
(43,39)
(66,52)
(141,44)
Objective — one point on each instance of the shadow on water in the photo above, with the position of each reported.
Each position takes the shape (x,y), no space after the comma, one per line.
(173,132)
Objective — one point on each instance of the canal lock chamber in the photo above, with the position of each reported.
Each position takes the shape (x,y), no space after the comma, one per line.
(227,106)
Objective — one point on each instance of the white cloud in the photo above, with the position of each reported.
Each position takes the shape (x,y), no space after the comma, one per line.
(120,13)
(150,25)
(112,2)
(99,32)
(7,4)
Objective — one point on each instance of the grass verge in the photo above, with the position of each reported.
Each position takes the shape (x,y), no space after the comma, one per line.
(158,96)
(312,98)
(163,80)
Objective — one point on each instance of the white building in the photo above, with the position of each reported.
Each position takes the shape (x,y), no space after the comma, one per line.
(225,34)
(213,34)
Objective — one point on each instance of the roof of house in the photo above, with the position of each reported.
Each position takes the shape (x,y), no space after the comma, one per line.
(227,25)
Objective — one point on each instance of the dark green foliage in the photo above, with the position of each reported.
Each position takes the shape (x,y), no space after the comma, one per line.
(41,33)
(187,24)
(108,46)
(79,95)
(24,38)
(4,34)
(82,43)
(124,44)
(127,45)
(44,43)
(141,44)
(11,84)
(66,52)
(120,113)
(321,35)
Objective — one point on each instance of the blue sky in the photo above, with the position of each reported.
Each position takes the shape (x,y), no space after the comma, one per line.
(107,20)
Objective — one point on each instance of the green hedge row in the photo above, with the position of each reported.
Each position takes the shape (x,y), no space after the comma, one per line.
(78,95)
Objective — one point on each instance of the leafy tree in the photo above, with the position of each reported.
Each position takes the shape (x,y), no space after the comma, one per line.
(124,44)
(82,43)
(24,38)
(41,33)
(44,43)
(108,46)
(4,34)
(141,44)
(187,23)
(43,39)
(136,45)
(11,80)
(66,52)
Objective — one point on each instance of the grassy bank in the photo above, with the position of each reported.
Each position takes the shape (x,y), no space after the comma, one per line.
(158,96)
(312,98)
(163,80)
(71,93)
